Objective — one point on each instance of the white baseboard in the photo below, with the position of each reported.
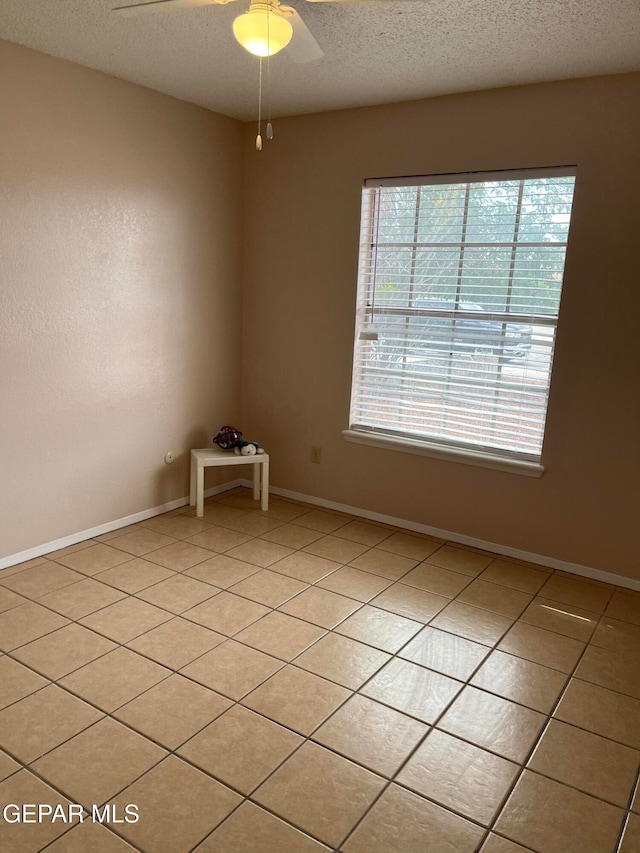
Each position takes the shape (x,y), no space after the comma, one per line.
(452,536)
(82,535)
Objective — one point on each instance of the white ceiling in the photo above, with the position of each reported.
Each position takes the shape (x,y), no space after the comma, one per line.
(376,51)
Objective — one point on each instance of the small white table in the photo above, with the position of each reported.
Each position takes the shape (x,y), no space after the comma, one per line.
(212,456)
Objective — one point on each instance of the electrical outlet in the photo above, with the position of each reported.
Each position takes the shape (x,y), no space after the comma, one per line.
(316,454)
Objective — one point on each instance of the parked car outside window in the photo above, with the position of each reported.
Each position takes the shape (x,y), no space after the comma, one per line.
(507,340)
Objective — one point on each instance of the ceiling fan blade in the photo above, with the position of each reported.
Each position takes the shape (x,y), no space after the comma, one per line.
(164,6)
(303,47)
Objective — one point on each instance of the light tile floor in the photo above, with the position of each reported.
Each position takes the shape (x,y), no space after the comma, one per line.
(299,680)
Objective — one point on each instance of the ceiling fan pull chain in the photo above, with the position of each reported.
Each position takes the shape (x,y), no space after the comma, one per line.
(269,125)
(259,136)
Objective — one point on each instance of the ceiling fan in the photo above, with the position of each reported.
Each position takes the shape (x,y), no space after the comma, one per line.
(265,29)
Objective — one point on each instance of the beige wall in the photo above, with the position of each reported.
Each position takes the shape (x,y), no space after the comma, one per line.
(301,244)
(120,215)
(120,220)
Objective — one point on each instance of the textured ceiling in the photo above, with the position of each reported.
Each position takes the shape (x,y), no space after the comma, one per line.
(376,51)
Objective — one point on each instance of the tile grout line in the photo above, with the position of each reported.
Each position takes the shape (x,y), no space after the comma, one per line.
(110,715)
(271,568)
(522,765)
(182,615)
(432,727)
(550,717)
(236,702)
(635,789)
(291,662)
(229,637)
(174,615)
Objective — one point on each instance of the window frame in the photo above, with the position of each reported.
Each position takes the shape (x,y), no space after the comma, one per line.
(528,464)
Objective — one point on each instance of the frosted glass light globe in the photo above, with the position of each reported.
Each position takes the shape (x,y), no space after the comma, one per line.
(262,32)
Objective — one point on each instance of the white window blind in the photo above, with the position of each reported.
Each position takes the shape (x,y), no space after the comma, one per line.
(458,292)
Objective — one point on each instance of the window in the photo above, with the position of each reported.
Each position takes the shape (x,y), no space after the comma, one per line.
(458,293)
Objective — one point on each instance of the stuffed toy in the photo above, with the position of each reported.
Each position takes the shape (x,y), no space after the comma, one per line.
(227,438)
(230,438)
(247,448)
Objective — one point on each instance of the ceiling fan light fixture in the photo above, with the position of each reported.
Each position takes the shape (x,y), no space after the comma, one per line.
(262,30)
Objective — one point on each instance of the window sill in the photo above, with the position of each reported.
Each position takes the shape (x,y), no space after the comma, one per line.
(426,448)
